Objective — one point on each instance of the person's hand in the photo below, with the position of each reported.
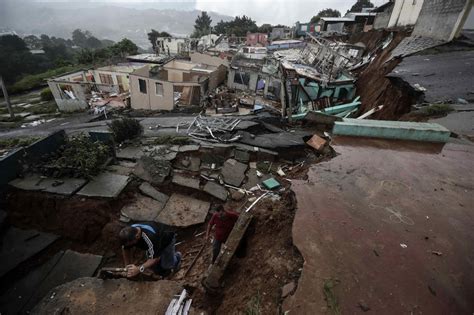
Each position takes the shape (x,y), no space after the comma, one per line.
(132,271)
(207,237)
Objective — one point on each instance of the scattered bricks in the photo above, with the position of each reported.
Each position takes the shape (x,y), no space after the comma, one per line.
(317,143)
(216,190)
(212,282)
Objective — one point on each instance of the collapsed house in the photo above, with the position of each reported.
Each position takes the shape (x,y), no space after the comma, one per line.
(176,83)
(256,75)
(82,89)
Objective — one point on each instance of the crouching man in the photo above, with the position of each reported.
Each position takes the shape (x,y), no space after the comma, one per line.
(159,243)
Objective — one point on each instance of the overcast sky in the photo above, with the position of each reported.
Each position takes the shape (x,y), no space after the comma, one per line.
(277,11)
(263,11)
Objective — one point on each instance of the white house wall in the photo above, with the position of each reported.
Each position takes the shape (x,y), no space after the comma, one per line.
(405,12)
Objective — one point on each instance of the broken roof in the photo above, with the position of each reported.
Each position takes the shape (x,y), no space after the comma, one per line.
(150,58)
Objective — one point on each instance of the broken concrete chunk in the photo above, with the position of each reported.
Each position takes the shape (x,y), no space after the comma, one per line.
(20,245)
(183,211)
(106,185)
(317,143)
(130,153)
(216,190)
(63,267)
(150,191)
(184,181)
(233,172)
(152,170)
(241,156)
(142,209)
(113,296)
(189,148)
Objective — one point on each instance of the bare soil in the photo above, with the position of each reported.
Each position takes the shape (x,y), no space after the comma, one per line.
(375,88)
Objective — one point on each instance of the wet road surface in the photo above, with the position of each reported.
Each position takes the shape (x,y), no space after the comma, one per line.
(390,223)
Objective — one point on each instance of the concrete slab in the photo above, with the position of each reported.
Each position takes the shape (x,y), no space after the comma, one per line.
(275,141)
(185,181)
(130,153)
(152,170)
(184,211)
(142,209)
(32,182)
(189,148)
(400,130)
(115,296)
(68,187)
(150,191)
(233,172)
(241,156)
(216,190)
(119,169)
(20,245)
(63,267)
(105,185)
(377,195)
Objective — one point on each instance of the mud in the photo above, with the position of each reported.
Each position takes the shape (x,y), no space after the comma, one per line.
(377,196)
(375,89)
(271,261)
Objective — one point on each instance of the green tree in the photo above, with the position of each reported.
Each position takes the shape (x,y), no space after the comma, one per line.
(85,39)
(202,25)
(33,42)
(124,48)
(325,13)
(361,4)
(239,26)
(265,28)
(15,58)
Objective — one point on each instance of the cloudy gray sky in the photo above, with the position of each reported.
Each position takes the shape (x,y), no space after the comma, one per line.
(263,11)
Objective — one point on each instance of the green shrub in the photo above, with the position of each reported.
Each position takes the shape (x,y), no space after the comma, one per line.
(125,129)
(79,157)
(46,94)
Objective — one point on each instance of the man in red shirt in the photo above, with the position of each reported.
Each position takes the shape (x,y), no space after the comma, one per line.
(223,221)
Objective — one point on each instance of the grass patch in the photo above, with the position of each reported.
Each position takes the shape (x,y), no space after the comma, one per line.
(253,306)
(437,109)
(46,108)
(33,81)
(330,296)
(16,142)
(171,140)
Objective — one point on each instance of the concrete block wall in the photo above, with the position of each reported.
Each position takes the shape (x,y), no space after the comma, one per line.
(442,19)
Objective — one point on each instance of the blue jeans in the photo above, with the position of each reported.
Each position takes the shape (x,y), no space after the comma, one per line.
(216,248)
(168,259)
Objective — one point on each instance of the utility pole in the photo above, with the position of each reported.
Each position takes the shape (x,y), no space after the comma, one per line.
(7,99)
